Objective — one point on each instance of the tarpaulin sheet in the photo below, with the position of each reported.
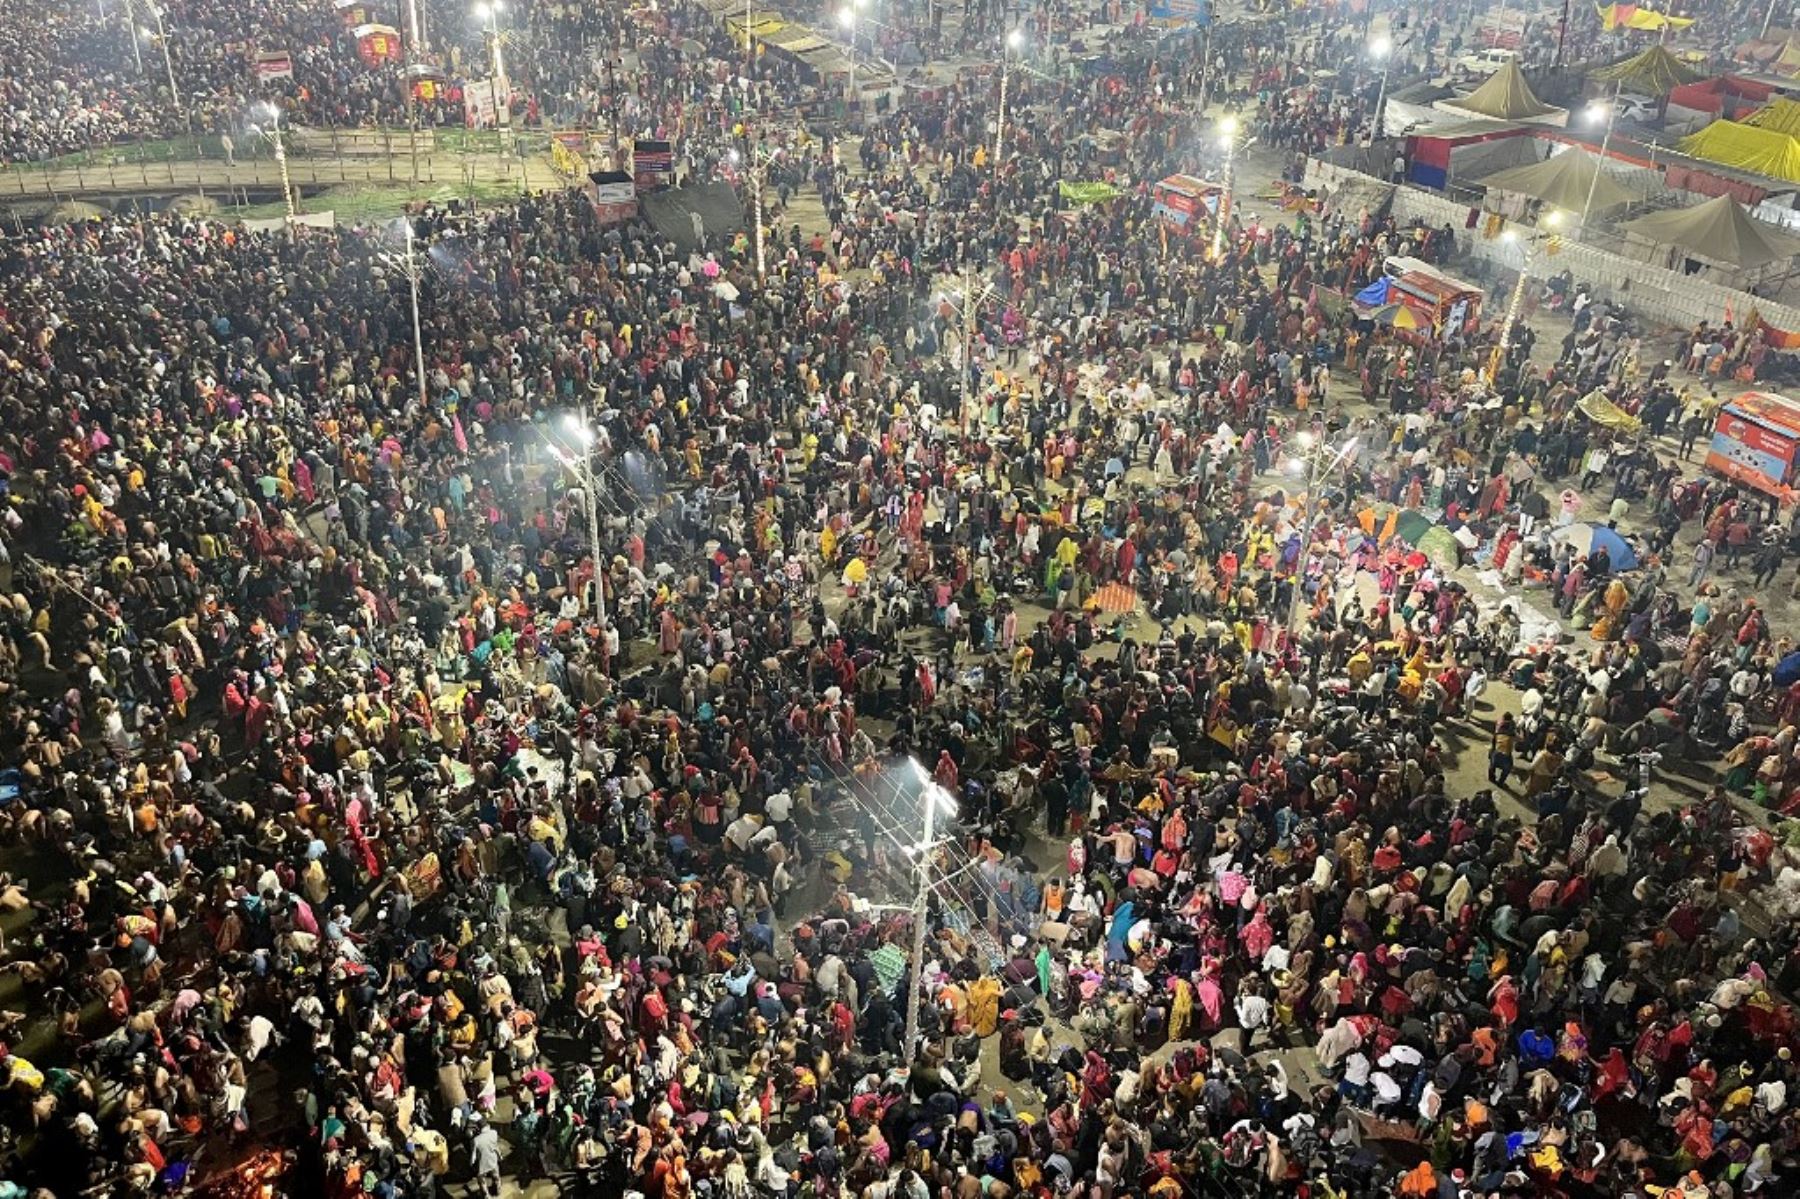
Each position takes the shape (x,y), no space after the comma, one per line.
(1683,177)
(1748,148)
(672,212)
(1781,116)
(1608,415)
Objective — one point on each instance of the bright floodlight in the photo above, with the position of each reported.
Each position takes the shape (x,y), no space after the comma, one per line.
(575,427)
(270,110)
(1305,438)
(1015,38)
(1379,47)
(1228,128)
(1295,466)
(1553,218)
(732,156)
(1509,235)
(1598,111)
(846,18)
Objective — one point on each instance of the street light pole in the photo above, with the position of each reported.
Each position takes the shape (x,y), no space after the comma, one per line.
(934,795)
(1550,220)
(584,474)
(754,171)
(1612,112)
(968,343)
(137,49)
(412,279)
(1380,49)
(413,38)
(1228,133)
(175,98)
(1319,469)
(847,18)
(1014,38)
(287,192)
(1606,139)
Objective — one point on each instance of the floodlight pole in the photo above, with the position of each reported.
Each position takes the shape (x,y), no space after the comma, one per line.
(921,895)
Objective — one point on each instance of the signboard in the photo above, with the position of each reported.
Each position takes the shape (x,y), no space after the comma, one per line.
(653,163)
(1185,203)
(1180,12)
(1752,453)
(274,64)
(481,102)
(614,195)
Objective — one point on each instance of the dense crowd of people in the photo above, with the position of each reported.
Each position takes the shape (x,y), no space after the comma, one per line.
(518,772)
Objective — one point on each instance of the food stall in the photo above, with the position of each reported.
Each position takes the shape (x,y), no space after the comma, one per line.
(1186,204)
(1448,304)
(1756,441)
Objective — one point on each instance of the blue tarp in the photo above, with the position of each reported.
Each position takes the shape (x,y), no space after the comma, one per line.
(1181,12)
(1375,293)
(1787,670)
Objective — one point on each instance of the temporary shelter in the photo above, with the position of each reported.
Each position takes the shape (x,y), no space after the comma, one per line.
(1747,147)
(1456,149)
(1506,97)
(1563,181)
(1718,231)
(1780,116)
(1655,72)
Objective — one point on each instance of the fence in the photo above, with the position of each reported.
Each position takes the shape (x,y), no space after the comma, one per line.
(1653,292)
(361,143)
(211,175)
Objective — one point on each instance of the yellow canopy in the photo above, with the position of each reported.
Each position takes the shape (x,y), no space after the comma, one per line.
(1781,116)
(1630,16)
(1746,147)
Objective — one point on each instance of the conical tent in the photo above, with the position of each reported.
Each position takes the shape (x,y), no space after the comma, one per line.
(1563,181)
(1506,96)
(1655,72)
(1719,231)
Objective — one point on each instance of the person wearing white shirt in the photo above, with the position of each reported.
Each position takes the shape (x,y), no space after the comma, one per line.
(1252,1012)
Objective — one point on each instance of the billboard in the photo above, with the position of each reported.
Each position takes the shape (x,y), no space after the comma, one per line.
(1180,12)
(653,162)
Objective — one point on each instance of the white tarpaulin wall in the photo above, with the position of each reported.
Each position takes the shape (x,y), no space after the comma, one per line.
(1476,159)
(311,220)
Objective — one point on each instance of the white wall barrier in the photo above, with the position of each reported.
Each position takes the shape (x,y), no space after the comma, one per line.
(1658,295)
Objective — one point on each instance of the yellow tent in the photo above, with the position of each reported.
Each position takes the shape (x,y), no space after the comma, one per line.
(1781,116)
(1765,151)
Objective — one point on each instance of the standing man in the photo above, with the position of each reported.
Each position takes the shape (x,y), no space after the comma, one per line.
(484,1155)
